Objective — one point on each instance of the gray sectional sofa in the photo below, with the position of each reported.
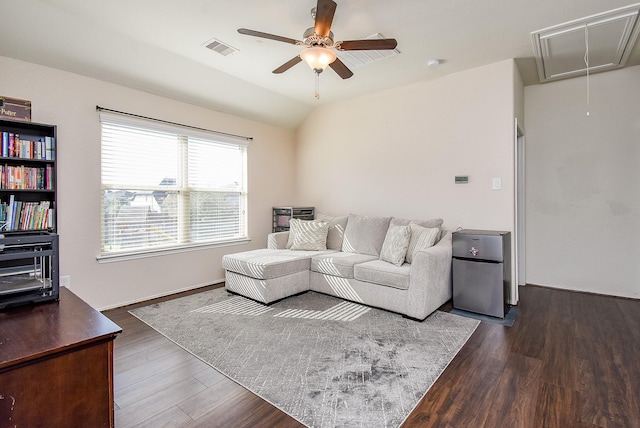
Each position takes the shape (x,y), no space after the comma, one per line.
(395,264)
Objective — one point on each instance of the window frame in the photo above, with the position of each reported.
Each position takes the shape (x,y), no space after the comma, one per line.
(183,133)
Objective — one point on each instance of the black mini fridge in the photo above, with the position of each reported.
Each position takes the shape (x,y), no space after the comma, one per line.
(481,271)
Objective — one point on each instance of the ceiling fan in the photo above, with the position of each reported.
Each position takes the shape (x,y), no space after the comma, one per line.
(319,44)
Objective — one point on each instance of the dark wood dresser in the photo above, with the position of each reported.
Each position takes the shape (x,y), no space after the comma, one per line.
(56,365)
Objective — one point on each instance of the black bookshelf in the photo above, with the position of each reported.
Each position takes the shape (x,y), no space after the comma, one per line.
(28,213)
(28,164)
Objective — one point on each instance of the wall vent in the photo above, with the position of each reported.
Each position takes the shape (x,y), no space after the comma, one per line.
(220,47)
(357,59)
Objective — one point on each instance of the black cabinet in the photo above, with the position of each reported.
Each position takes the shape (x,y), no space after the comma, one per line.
(28,268)
(282,215)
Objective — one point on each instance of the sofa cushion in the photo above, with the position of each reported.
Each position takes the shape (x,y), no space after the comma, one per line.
(396,242)
(421,239)
(338,264)
(308,235)
(383,273)
(364,234)
(337,225)
(267,264)
(434,222)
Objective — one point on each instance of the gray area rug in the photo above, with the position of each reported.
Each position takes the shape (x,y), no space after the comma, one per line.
(324,361)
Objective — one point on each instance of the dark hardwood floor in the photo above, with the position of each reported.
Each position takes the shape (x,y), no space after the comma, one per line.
(570,360)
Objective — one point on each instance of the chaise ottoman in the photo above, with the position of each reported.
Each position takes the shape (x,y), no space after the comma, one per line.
(267,275)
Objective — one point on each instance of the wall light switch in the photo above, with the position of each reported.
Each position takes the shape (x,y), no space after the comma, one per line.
(496,184)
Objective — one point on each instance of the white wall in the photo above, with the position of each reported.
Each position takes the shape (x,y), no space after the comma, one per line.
(583,183)
(69,101)
(396,153)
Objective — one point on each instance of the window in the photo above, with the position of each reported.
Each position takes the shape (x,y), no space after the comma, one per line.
(168,187)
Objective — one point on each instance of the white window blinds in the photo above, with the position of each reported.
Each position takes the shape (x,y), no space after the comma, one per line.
(166,186)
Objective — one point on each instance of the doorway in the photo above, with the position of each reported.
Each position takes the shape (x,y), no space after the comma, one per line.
(520,210)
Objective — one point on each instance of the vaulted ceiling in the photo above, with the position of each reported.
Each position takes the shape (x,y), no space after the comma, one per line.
(159,45)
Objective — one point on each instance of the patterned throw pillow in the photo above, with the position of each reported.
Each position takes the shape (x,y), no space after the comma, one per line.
(396,242)
(308,235)
(421,239)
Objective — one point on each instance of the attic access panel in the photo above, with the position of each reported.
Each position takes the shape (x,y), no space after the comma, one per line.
(560,50)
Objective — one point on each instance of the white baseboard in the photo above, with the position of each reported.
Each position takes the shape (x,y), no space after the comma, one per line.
(155,296)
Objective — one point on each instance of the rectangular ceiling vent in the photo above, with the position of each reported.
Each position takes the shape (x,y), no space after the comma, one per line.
(221,48)
(604,41)
(357,59)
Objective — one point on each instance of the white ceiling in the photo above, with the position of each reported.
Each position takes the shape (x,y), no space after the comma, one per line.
(158,45)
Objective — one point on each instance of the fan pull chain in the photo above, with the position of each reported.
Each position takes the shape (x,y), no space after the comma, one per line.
(586,61)
(317,94)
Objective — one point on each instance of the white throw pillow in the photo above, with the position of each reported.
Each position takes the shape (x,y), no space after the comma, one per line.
(421,239)
(309,235)
(396,242)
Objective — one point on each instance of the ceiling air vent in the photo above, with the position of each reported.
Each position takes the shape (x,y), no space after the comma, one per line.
(356,59)
(604,41)
(221,48)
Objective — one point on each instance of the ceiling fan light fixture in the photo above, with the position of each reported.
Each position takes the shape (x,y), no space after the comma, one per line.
(318,58)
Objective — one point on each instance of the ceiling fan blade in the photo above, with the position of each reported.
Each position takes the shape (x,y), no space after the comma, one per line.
(267,36)
(325,10)
(287,65)
(341,69)
(367,45)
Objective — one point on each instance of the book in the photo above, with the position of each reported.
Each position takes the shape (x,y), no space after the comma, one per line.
(10,212)
(50,148)
(11,144)
(5,144)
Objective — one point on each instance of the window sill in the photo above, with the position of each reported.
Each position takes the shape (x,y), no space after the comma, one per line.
(110,258)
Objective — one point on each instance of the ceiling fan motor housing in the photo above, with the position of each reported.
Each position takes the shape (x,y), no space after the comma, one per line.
(310,38)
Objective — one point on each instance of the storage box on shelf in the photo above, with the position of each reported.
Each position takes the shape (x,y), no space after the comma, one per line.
(15,109)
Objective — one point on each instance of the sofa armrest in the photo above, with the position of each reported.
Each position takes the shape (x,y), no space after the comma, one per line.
(430,279)
(277,240)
